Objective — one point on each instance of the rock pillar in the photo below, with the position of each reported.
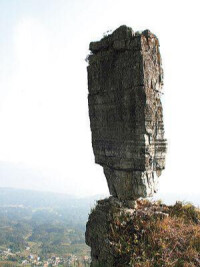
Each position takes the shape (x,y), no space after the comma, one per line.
(125,80)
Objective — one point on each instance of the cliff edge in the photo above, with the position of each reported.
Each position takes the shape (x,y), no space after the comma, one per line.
(150,235)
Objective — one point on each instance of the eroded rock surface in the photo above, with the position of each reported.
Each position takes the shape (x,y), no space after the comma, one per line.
(125,81)
(109,226)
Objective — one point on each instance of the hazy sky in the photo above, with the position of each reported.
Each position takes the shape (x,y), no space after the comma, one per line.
(45,139)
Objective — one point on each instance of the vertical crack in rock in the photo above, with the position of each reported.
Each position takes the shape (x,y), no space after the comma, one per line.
(125,80)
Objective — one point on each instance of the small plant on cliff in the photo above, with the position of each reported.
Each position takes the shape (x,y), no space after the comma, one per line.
(157,235)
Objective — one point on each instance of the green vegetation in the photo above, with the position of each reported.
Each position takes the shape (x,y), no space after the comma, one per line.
(29,227)
(45,231)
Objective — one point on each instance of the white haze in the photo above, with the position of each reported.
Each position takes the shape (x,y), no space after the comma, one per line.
(45,139)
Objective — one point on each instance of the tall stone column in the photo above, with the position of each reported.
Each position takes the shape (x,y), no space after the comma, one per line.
(125,80)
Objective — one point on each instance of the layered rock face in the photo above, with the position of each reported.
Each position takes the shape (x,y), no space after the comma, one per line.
(125,81)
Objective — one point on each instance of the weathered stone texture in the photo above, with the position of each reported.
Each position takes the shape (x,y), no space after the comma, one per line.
(98,231)
(125,81)
(108,216)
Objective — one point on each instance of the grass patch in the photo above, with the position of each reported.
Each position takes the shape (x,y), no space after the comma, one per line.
(157,235)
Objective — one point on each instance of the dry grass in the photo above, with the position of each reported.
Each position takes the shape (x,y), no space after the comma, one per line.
(157,235)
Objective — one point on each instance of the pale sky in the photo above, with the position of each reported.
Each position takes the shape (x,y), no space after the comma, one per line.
(45,139)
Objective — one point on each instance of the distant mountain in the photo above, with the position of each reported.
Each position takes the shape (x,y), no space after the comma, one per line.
(19,175)
(38,199)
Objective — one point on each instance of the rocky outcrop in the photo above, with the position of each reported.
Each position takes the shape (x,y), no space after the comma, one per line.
(104,222)
(125,81)
(151,234)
